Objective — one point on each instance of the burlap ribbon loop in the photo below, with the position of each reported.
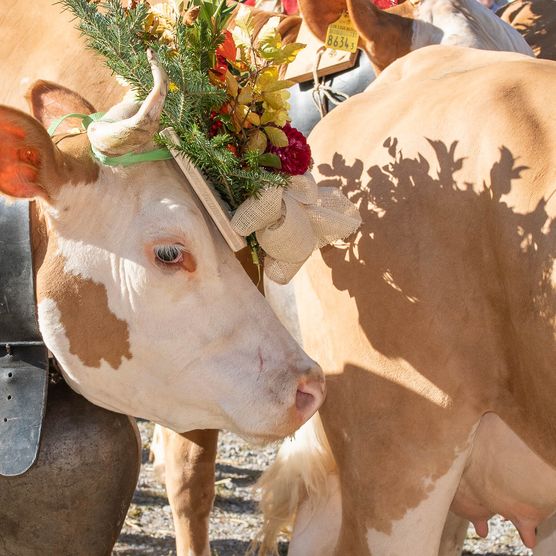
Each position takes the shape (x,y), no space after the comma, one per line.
(291,223)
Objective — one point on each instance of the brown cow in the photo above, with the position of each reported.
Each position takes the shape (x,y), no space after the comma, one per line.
(437,322)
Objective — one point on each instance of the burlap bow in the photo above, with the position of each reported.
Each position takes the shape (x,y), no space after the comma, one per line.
(291,223)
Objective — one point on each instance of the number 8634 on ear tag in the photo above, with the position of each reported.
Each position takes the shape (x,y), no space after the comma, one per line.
(341,35)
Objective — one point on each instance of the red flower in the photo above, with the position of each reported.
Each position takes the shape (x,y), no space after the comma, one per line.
(385,4)
(220,68)
(215,124)
(228,48)
(296,157)
(290,7)
(232,149)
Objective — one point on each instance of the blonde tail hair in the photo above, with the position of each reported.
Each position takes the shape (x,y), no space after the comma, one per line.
(298,473)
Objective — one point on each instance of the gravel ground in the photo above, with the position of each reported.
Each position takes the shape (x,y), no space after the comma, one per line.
(148,529)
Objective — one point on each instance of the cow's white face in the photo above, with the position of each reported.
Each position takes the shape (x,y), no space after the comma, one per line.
(190,343)
(140,300)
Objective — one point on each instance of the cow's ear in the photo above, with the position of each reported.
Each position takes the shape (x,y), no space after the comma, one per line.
(384,34)
(319,14)
(49,101)
(30,164)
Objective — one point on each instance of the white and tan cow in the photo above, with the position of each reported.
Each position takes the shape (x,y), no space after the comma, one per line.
(145,308)
(437,322)
(46,45)
(387,35)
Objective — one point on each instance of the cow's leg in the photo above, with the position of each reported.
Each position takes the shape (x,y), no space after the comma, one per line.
(419,531)
(318,523)
(400,457)
(546,538)
(453,536)
(189,472)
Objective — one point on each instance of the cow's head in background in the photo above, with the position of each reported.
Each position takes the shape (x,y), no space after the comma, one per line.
(387,35)
(139,298)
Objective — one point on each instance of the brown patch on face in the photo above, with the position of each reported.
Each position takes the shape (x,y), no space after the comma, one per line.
(93,331)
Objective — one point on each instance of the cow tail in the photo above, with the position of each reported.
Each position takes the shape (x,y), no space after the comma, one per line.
(299,472)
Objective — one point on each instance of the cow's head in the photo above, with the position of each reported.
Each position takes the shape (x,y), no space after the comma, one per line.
(387,35)
(140,300)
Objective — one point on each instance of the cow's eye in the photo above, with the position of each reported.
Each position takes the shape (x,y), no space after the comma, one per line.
(169,254)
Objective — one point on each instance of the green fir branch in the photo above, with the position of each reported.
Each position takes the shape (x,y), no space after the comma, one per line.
(119,35)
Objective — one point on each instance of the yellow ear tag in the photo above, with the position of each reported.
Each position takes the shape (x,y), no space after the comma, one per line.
(341,35)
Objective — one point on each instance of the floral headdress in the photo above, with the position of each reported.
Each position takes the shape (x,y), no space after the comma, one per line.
(226,101)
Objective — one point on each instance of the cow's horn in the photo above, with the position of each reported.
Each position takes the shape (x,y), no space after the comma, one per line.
(121,137)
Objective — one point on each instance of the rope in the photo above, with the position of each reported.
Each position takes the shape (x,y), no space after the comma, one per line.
(322,92)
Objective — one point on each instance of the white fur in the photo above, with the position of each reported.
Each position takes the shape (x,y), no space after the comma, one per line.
(464,23)
(317,527)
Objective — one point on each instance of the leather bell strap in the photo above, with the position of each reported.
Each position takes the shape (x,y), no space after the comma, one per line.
(23,355)
(127,159)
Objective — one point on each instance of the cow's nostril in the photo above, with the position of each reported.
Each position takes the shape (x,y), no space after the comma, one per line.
(310,394)
(303,400)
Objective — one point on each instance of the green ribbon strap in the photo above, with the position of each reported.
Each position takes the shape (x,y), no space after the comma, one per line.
(123,160)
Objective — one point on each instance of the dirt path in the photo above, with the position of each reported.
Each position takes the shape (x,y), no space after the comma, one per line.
(148,529)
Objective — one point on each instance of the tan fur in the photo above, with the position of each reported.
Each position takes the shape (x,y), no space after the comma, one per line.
(442,307)
(189,472)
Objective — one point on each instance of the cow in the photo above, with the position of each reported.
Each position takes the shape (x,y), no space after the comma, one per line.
(437,321)
(536,21)
(386,35)
(157,333)
(49,47)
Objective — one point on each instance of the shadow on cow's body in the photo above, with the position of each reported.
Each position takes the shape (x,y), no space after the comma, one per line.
(436,320)
(536,21)
(446,314)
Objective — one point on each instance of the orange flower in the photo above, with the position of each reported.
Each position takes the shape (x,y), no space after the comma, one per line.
(228,48)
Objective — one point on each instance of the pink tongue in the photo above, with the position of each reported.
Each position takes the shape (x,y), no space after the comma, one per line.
(481,528)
